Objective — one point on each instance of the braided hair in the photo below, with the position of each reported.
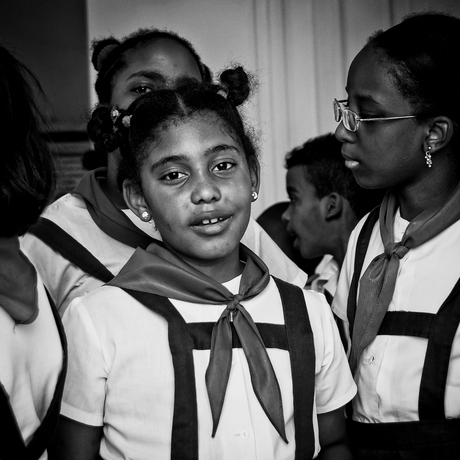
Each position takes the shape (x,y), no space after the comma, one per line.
(136,128)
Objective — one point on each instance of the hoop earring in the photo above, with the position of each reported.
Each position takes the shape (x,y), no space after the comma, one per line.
(145,216)
(254,195)
(428,159)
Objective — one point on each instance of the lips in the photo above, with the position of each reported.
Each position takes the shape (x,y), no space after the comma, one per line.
(210,224)
(350,162)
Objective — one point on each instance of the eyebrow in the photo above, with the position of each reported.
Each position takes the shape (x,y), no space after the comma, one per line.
(150,74)
(185,157)
(365,98)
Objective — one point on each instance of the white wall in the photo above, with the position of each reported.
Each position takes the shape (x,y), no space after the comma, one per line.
(300,51)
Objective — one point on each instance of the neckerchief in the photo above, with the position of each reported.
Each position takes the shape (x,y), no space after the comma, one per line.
(377,284)
(18,282)
(159,271)
(105,214)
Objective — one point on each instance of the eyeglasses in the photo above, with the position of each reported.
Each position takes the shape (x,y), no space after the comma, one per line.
(351,119)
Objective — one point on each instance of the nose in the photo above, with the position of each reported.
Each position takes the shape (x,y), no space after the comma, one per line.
(286,216)
(343,135)
(205,190)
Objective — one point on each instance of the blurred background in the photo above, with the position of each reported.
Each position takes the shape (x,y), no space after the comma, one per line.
(299,50)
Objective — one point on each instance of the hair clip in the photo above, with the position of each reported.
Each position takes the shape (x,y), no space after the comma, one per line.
(222,92)
(126,120)
(114,114)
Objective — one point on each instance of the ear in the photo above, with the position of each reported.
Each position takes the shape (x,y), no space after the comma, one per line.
(332,206)
(134,199)
(254,171)
(439,133)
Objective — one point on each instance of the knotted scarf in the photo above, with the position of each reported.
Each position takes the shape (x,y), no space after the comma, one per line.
(377,284)
(18,282)
(159,271)
(105,214)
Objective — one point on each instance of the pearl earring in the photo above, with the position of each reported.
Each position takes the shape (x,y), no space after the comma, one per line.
(145,216)
(254,195)
(428,159)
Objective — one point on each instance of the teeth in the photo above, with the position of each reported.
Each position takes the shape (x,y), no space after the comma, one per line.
(211,221)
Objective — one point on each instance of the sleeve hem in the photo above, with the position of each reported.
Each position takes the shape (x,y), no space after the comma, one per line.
(81,416)
(337,402)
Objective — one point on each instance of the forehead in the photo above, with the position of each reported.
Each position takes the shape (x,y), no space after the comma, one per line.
(370,78)
(165,56)
(297,177)
(196,133)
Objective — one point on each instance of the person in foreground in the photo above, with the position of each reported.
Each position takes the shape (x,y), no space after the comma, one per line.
(86,236)
(325,205)
(193,350)
(32,341)
(399,290)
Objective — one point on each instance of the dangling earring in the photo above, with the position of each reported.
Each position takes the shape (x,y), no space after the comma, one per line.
(428,159)
(145,216)
(254,195)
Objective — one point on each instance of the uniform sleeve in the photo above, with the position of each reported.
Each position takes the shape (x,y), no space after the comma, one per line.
(334,383)
(279,264)
(84,391)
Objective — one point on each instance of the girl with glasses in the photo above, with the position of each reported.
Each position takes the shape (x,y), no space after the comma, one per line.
(399,291)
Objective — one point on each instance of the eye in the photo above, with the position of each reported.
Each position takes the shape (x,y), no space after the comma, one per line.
(142,89)
(291,198)
(224,166)
(173,176)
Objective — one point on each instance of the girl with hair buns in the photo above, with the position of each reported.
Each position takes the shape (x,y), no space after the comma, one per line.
(87,235)
(193,350)
(32,342)
(399,288)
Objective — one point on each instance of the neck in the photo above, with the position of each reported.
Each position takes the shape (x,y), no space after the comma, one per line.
(221,270)
(110,185)
(432,190)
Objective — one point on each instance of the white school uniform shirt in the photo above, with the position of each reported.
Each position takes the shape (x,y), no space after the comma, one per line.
(121,376)
(65,281)
(30,364)
(390,368)
(326,276)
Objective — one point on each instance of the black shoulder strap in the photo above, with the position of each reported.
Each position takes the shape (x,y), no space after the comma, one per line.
(361,249)
(12,446)
(66,245)
(302,354)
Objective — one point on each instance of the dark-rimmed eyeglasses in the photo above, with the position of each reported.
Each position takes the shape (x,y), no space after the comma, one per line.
(351,119)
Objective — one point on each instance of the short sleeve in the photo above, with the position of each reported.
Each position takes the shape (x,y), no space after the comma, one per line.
(84,391)
(334,383)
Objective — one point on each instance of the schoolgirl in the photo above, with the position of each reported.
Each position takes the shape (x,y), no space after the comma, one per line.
(32,342)
(399,289)
(89,234)
(193,350)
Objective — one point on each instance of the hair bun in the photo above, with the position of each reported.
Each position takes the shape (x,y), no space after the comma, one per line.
(101,50)
(236,82)
(100,131)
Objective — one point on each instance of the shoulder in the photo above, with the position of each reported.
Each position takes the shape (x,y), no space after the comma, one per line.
(316,304)
(110,309)
(66,211)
